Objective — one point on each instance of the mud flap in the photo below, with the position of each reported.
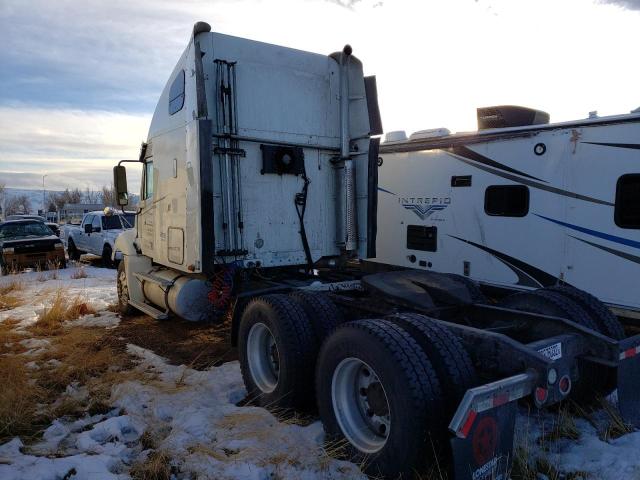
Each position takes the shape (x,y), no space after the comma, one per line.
(628,391)
(486,452)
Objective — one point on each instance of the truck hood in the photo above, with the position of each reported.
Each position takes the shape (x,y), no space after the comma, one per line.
(31,244)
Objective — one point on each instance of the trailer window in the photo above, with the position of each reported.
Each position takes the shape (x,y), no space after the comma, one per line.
(627,211)
(176,94)
(506,200)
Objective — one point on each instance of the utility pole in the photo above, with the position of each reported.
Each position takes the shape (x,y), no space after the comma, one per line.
(44,208)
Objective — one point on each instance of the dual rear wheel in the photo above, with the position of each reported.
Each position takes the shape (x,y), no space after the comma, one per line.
(381,384)
(594,379)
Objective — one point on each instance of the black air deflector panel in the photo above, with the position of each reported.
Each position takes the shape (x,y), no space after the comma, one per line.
(510,116)
(205,129)
(371,91)
(372,197)
(282,160)
(422,238)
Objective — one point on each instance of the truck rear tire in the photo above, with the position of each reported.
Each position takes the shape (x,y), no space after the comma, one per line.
(446,353)
(546,302)
(595,380)
(123,292)
(377,389)
(607,322)
(73,252)
(472,286)
(277,350)
(322,312)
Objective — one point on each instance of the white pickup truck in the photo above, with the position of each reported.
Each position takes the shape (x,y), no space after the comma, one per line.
(97,234)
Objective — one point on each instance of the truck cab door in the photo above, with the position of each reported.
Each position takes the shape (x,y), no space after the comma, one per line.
(95,238)
(82,237)
(146,216)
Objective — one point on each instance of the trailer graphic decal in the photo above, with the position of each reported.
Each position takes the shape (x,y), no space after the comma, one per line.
(424,212)
(525,181)
(595,233)
(424,207)
(528,275)
(626,256)
(380,189)
(476,157)
(633,146)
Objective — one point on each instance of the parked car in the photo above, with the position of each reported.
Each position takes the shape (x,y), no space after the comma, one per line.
(55,228)
(29,243)
(97,234)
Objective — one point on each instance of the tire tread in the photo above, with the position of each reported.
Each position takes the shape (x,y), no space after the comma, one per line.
(444,349)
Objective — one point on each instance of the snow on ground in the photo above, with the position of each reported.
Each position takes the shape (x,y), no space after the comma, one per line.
(38,288)
(588,455)
(192,416)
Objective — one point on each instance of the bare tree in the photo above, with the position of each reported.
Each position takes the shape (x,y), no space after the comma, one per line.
(18,205)
(76,196)
(24,203)
(92,196)
(108,196)
(70,196)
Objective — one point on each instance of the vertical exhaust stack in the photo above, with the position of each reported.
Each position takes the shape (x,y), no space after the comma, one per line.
(351,241)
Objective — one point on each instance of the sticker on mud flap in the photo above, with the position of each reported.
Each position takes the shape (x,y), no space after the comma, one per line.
(552,352)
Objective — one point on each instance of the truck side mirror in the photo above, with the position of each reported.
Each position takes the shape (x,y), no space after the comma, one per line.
(120,185)
(88,228)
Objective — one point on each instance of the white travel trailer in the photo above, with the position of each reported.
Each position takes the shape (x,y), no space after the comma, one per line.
(520,203)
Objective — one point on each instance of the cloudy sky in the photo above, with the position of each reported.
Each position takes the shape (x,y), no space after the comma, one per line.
(79,78)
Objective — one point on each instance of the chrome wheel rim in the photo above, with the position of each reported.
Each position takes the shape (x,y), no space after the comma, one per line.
(263,358)
(361,405)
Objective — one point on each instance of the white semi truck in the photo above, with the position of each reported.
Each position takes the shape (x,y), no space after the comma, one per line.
(258,205)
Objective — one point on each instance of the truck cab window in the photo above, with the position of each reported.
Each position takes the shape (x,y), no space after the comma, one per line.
(176,94)
(627,211)
(506,200)
(148,180)
(111,223)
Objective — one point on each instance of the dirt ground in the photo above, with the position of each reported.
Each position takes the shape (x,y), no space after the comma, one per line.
(196,345)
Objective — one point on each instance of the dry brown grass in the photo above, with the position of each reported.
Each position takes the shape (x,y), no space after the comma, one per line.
(61,309)
(11,287)
(78,273)
(616,427)
(31,398)
(19,399)
(10,338)
(155,467)
(84,353)
(8,295)
(563,426)
(220,455)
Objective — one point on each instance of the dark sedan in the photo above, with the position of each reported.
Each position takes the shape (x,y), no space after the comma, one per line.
(29,243)
(52,225)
